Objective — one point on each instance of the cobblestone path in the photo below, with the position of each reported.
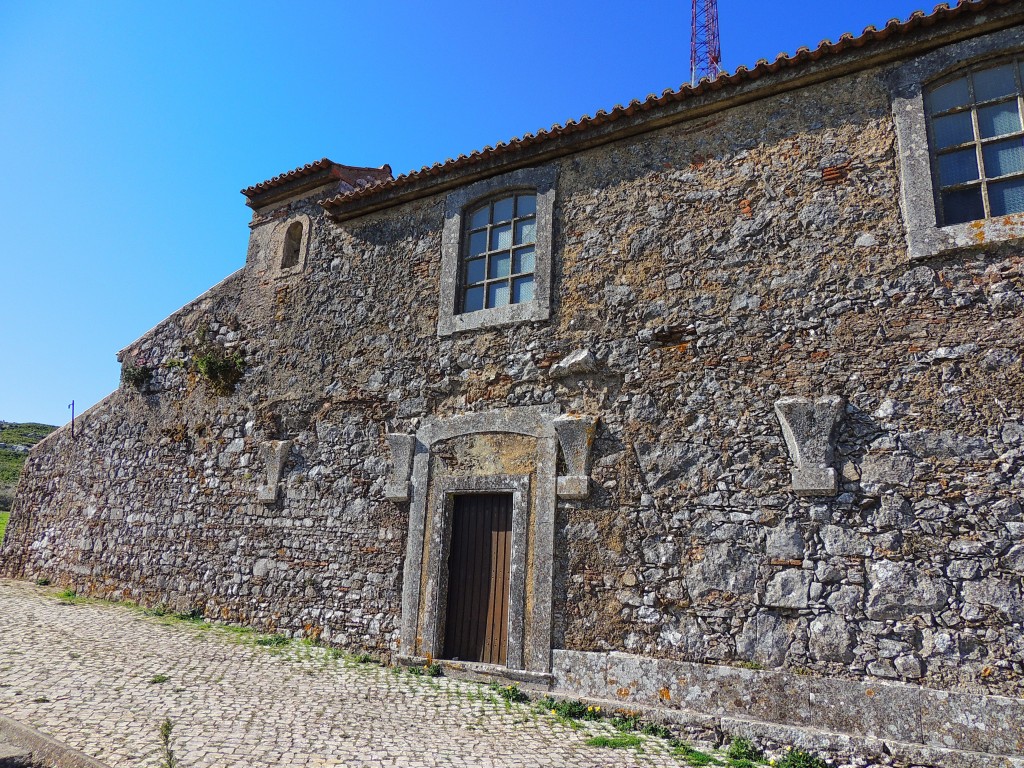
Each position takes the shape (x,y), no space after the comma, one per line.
(92,675)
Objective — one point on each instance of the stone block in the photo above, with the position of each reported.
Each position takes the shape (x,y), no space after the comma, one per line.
(972,722)
(993,597)
(831,639)
(577,363)
(748,693)
(788,589)
(720,568)
(876,710)
(897,590)
(882,471)
(402,450)
(573,486)
(633,679)
(844,542)
(765,639)
(785,542)
(581,672)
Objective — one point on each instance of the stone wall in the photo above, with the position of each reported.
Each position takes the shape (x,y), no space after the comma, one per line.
(702,272)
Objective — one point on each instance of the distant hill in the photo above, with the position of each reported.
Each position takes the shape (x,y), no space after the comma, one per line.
(15,442)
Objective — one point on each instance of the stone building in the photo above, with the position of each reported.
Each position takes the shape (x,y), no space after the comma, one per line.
(712,402)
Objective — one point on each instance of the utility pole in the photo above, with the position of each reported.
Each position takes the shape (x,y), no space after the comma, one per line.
(705,48)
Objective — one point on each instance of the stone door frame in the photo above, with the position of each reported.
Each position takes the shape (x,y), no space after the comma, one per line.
(536,524)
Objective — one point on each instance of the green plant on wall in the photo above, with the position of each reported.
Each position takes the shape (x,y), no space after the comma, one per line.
(135,373)
(222,368)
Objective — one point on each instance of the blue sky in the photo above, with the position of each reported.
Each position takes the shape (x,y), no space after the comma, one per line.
(127,129)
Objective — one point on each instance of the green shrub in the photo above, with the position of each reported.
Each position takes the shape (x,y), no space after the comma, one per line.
(797,758)
(4,517)
(743,749)
(693,756)
(433,669)
(656,729)
(136,373)
(510,693)
(221,368)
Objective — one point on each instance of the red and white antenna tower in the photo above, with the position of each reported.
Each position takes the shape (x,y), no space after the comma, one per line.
(705,48)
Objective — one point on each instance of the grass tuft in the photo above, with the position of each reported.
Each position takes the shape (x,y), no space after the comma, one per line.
(272,641)
(615,742)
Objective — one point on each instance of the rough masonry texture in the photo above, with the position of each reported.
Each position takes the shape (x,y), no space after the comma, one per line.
(712,256)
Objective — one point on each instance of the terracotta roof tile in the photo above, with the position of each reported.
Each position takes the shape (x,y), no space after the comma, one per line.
(803,55)
(325,171)
(284,178)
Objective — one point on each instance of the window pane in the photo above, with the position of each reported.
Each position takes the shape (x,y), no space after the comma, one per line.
(500,263)
(501,237)
(524,261)
(497,294)
(962,205)
(522,289)
(952,129)
(526,205)
(478,242)
(957,167)
(503,209)
(475,271)
(950,95)
(474,300)
(479,217)
(993,83)
(1006,197)
(526,231)
(1004,157)
(997,119)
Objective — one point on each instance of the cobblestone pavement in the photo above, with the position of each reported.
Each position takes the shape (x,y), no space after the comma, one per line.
(92,675)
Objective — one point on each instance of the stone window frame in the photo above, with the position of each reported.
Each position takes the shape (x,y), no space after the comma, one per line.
(542,180)
(436,607)
(279,241)
(535,421)
(908,83)
(977,145)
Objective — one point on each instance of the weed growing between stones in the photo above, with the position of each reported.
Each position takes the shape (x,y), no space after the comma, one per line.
(510,693)
(615,742)
(159,679)
(798,758)
(167,757)
(741,749)
(135,373)
(569,709)
(221,368)
(272,641)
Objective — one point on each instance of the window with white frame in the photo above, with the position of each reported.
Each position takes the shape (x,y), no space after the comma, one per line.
(976,138)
